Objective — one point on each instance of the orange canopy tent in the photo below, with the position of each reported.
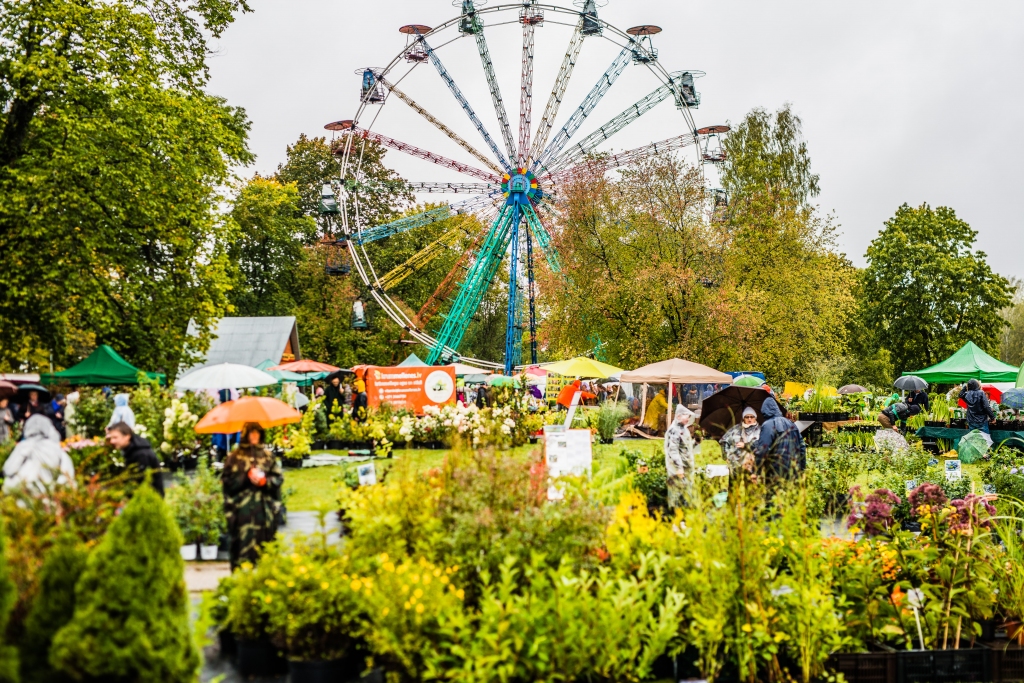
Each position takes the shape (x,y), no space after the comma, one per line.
(305,366)
(231,416)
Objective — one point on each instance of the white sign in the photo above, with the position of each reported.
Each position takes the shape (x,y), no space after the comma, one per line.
(567,453)
(572,409)
(713,471)
(953,471)
(367,474)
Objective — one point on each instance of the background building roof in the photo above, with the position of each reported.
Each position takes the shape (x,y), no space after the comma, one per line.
(250,341)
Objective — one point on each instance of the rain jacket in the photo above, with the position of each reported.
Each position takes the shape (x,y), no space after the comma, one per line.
(38,461)
(979,412)
(679,463)
(739,432)
(780,449)
(139,456)
(122,412)
(252,511)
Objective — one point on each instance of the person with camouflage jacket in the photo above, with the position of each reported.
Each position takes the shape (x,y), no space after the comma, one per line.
(252,495)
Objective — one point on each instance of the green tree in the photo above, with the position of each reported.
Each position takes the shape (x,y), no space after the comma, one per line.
(111,153)
(310,162)
(8,596)
(926,293)
(131,619)
(766,153)
(268,249)
(1011,341)
(52,609)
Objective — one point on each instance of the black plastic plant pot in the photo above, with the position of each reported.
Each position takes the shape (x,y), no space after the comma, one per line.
(911,525)
(228,644)
(865,667)
(259,658)
(319,445)
(324,671)
(966,665)
(1007,660)
(335,445)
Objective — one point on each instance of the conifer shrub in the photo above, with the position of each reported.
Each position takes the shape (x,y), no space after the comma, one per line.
(52,609)
(8,654)
(131,619)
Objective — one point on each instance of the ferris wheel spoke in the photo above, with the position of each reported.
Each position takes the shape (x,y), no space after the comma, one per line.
(591,101)
(547,121)
(424,154)
(526,90)
(436,61)
(610,161)
(473,287)
(423,257)
(469,188)
(472,24)
(458,139)
(444,290)
(587,145)
(396,227)
(543,237)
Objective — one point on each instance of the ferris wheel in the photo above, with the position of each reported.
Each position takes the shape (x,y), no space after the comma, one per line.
(514,174)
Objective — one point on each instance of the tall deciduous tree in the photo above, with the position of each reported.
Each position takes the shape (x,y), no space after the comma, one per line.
(926,292)
(268,249)
(1011,342)
(111,153)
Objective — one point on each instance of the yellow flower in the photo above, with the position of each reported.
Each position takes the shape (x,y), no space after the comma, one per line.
(460,594)
(418,593)
(384,612)
(444,580)
(408,605)
(325,585)
(271,583)
(405,589)
(356,584)
(746,628)
(426,579)
(267,599)
(296,558)
(302,570)
(383,557)
(389,566)
(419,608)
(415,578)
(290,584)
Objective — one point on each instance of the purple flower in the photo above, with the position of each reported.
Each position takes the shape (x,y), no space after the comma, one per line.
(931,495)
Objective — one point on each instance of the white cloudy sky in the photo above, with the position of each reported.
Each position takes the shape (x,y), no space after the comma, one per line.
(901,101)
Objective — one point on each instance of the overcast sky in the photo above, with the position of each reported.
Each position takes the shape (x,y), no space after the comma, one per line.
(901,101)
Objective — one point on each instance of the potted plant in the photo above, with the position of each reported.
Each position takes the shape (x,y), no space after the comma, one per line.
(609,418)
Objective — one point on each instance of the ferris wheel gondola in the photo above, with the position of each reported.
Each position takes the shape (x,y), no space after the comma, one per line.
(514,175)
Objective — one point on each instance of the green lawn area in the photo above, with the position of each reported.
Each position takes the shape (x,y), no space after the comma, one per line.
(315,486)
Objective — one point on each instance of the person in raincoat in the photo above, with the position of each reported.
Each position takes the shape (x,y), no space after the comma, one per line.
(740,438)
(252,483)
(779,451)
(122,412)
(361,403)
(654,418)
(679,462)
(38,462)
(979,412)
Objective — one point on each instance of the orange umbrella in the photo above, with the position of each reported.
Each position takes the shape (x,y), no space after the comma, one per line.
(229,417)
(305,366)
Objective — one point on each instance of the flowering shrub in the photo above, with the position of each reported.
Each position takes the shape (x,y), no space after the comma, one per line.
(873,513)
(179,428)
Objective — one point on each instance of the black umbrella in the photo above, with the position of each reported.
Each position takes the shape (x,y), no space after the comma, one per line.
(24,389)
(723,409)
(910,383)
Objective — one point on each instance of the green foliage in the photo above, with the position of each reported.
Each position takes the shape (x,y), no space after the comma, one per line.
(830,475)
(649,477)
(925,292)
(123,242)
(131,617)
(52,609)
(8,597)
(271,229)
(197,503)
(1005,471)
(93,412)
(609,419)
(1011,340)
(765,153)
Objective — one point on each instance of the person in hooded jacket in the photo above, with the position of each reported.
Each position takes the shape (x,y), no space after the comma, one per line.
(138,455)
(740,437)
(252,495)
(779,451)
(361,404)
(123,414)
(679,462)
(979,411)
(334,399)
(38,462)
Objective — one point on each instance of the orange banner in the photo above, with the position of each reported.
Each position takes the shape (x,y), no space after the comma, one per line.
(411,388)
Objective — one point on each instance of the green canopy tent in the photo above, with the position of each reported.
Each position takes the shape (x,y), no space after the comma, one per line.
(970,362)
(103,366)
(413,361)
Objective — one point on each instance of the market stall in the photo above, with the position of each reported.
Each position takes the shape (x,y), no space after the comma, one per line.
(103,367)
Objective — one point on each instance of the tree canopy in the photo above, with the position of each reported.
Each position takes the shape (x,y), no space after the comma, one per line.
(111,153)
(926,292)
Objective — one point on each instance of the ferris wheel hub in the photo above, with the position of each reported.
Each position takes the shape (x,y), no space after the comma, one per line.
(520,187)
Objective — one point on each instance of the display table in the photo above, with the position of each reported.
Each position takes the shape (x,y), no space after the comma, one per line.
(998,437)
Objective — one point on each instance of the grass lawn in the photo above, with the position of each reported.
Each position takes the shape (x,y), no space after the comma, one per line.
(313,486)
